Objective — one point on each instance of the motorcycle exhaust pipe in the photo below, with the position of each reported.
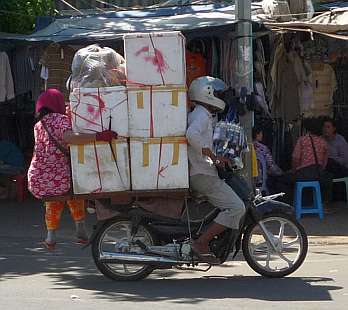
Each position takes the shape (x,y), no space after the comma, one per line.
(138,259)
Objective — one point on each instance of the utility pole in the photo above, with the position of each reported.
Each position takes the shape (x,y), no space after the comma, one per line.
(244,74)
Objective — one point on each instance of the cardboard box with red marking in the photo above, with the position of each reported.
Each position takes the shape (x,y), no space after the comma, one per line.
(100,167)
(159,163)
(98,109)
(155,58)
(157,111)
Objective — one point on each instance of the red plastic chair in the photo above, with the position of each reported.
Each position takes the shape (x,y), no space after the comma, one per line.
(21,186)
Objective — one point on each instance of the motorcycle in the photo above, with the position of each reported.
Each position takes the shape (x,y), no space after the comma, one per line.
(136,241)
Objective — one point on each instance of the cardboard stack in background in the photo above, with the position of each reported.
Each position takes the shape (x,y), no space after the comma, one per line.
(150,110)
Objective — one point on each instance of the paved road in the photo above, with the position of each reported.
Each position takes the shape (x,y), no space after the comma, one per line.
(30,278)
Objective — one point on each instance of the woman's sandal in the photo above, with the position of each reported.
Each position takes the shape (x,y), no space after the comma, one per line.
(49,246)
(81,241)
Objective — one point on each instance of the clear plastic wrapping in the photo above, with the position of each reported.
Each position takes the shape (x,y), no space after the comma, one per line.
(95,66)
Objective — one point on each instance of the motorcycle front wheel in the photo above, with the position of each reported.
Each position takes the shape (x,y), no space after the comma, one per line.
(289,238)
(115,236)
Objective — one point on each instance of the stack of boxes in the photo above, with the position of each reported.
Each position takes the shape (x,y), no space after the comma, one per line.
(149,115)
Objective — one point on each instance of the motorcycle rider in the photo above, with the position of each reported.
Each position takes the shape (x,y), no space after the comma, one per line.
(204,178)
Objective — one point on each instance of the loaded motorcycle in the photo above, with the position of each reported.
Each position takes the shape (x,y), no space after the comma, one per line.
(135,241)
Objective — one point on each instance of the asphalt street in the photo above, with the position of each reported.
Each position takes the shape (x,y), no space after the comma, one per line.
(32,278)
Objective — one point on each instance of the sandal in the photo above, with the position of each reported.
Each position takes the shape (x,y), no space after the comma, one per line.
(208,258)
(49,246)
(82,241)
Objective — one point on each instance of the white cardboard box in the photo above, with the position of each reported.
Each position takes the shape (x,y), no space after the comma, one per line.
(157,111)
(94,169)
(93,109)
(155,58)
(159,163)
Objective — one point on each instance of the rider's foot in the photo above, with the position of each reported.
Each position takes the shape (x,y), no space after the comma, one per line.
(202,252)
(199,247)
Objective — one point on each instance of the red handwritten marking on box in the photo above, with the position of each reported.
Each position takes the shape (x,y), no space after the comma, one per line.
(157,60)
(95,113)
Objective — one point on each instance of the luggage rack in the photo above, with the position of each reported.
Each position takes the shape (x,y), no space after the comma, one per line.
(175,193)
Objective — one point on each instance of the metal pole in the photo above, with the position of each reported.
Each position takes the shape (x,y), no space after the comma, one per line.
(244,74)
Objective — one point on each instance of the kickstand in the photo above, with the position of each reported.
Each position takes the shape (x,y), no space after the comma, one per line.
(194,269)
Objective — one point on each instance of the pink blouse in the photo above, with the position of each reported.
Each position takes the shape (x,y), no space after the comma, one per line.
(49,172)
(303,155)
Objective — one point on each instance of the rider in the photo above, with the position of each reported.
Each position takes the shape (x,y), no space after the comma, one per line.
(204,178)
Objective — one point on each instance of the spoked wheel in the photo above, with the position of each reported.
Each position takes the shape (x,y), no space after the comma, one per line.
(291,246)
(116,237)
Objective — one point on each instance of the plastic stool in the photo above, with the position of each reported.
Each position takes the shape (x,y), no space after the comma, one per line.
(318,205)
(345,181)
(21,186)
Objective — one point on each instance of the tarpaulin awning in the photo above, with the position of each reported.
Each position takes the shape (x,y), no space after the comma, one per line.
(333,24)
(113,25)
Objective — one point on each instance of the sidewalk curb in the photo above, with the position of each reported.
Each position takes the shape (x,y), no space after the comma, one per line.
(334,240)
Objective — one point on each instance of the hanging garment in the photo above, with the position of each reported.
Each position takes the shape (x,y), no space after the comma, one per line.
(298,7)
(286,100)
(261,98)
(324,85)
(26,71)
(6,80)
(215,59)
(195,66)
(228,63)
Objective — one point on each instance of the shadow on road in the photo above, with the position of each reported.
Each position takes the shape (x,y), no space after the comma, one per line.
(69,268)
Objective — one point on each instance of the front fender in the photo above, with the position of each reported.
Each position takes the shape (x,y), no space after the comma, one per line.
(271,206)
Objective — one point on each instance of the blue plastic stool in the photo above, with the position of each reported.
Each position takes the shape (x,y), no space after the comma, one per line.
(318,204)
(345,181)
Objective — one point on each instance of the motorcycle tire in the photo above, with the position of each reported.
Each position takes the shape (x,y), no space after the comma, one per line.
(107,268)
(263,270)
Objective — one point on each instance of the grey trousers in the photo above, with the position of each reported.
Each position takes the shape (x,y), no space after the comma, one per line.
(221,196)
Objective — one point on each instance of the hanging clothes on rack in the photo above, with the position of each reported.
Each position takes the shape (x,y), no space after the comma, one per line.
(6,80)
(26,70)
(228,63)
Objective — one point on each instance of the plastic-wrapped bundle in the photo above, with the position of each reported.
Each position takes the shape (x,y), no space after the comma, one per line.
(95,66)
(229,139)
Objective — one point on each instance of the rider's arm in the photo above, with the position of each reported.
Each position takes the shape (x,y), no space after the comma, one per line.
(194,137)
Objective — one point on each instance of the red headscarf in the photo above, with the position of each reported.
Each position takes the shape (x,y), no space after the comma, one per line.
(52,99)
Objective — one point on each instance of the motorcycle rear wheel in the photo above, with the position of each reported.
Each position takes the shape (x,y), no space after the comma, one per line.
(115,235)
(291,242)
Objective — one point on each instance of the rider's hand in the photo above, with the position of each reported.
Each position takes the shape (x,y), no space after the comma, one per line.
(106,136)
(221,162)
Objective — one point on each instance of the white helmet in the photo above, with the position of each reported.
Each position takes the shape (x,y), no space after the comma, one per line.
(204,89)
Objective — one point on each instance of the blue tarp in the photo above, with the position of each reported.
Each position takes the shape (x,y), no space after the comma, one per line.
(112,25)
(335,5)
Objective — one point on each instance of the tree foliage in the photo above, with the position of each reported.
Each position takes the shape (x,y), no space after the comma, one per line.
(18,16)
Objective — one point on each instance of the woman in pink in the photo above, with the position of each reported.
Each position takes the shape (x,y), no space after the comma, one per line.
(49,172)
(303,155)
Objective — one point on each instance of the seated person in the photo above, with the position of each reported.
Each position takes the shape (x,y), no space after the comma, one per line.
(276,182)
(263,151)
(338,150)
(306,152)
